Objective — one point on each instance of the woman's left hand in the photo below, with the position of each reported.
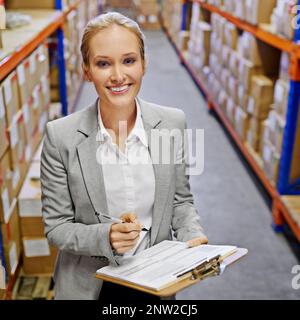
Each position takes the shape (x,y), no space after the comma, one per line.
(197,241)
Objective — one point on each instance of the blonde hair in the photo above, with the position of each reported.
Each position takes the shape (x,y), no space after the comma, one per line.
(103,21)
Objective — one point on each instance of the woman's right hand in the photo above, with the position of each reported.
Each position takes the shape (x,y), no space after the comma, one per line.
(124,236)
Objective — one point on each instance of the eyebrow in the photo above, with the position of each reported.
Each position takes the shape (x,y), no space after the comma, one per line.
(124,55)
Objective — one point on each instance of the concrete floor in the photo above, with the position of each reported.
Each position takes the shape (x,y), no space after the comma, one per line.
(231,204)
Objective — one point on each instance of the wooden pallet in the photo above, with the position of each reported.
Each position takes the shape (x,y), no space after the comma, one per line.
(33,288)
(293,205)
(2,294)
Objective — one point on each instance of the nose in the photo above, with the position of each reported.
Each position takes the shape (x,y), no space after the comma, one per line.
(117,75)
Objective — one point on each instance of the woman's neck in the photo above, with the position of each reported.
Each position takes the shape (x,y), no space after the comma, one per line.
(115,118)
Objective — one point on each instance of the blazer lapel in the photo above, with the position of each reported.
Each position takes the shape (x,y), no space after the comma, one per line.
(161,171)
(91,169)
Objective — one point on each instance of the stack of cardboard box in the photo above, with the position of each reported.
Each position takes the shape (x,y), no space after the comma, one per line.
(199,45)
(33,4)
(252,11)
(147,14)
(244,85)
(119,3)
(283,18)
(277,16)
(24,108)
(272,130)
(73,30)
(172,17)
(38,256)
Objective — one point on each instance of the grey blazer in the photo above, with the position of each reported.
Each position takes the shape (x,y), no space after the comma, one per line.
(73,189)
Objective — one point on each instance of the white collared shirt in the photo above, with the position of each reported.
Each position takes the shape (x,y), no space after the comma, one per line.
(128,176)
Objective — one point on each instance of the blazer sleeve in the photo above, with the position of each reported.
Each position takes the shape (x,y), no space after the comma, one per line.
(186,220)
(58,210)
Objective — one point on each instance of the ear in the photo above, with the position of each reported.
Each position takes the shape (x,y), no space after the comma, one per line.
(144,67)
(86,72)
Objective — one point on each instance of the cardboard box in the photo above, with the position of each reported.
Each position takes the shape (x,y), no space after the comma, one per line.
(284,66)
(233,63)
(253,140)
(259,11)
(36,105)
(225,75)
(230,110)
(12,244)
(33,71)
(222,100)
(248,48)
(183,39)
(10,230)
(246,71)
(240,9)
(233,89)
(225,56)
(12,256)
(241,122)
(5,188)
(30,204)
(23,80)
(38,256)
(295,168)
(32,227)
(258,109)
(17,152)
(42,61)
(254,135)
(54,111)
(4,140)
(119,3)
(42,122)
(281,92)
(243,97)
(277,125)
(262,89)
(30,4)
(27,119)
(35,141)
(13,133)
(38,153)
(147,7)
(231,35)
(271,161)
(11,96)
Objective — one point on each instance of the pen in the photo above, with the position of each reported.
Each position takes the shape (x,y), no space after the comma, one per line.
(114,219)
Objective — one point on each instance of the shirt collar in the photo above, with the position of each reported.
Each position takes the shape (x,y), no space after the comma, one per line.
(138,130)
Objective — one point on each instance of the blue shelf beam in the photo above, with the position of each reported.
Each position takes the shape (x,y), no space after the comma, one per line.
(285,186)
(62,71)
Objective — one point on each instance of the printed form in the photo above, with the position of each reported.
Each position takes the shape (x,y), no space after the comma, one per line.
(161,264)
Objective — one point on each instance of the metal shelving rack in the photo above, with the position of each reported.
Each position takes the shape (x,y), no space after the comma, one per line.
(280,211)
(9,63)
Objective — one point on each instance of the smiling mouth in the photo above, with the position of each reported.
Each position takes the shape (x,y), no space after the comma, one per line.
(119,90)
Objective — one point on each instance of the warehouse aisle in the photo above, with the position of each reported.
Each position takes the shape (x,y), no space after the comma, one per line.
(232,208)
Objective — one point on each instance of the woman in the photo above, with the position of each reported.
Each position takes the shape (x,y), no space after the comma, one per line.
(89,168)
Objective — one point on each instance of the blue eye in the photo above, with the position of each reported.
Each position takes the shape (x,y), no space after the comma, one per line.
(129,60)
(102,64)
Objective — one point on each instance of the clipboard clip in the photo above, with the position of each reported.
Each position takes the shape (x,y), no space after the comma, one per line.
(207,268)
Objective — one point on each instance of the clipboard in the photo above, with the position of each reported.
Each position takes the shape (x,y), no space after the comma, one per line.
(213,267)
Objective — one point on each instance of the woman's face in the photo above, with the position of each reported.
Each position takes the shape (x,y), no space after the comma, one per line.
(116,67)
